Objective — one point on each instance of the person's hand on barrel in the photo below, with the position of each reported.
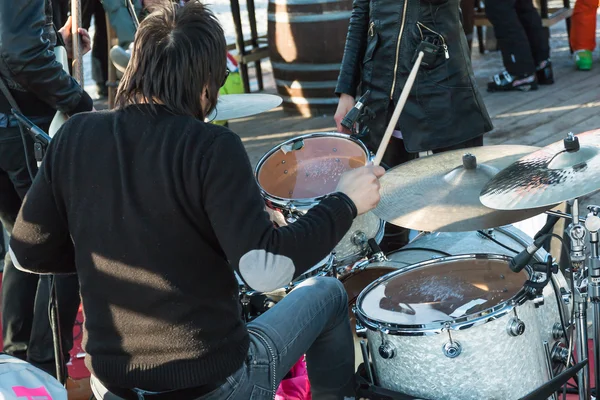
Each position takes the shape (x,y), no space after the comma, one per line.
(362,186)
(345,104)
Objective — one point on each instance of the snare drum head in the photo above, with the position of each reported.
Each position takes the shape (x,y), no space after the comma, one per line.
(441,291)
(309,167)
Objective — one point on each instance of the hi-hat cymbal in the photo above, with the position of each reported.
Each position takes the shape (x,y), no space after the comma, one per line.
(232,106)
(441,192)
(551,175)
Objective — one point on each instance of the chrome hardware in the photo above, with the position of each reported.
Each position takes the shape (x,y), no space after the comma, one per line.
(359,239)
(557,331)
(560,353)
(452,349)
(387,350)
(538,300)
(566,295)
(515,327)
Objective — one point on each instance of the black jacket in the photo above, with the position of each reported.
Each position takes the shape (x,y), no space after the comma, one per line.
(445,107)
(28,65)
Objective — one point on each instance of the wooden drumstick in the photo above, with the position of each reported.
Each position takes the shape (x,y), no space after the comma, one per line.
(77,54)
(396,115)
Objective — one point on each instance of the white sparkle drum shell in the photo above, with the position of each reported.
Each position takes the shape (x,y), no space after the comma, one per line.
(454,328)
(297,174)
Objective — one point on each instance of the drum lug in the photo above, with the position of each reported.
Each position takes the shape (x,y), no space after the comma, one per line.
(557,331)
(452,349)
(566,295)
(359,239)
(292,213)
(560,353)
(515,327)
(387,350)
(361,331)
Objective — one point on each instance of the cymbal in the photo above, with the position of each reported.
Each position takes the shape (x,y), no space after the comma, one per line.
(232,106)
(440,193)
(548,176)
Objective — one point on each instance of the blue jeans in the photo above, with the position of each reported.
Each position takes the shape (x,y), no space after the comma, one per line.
(312,320)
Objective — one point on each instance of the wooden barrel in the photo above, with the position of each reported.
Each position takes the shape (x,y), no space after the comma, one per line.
(306,46)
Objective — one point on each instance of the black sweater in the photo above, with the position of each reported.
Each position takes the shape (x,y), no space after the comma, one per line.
(154,213)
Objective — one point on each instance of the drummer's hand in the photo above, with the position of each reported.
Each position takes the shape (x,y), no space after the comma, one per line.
(362,186)
(345,104)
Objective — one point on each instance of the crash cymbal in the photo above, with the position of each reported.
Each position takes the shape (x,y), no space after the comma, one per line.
(441,192)
(232,106)
(551,175)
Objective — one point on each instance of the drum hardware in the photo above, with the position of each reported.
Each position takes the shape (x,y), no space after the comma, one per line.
(360,239)
(560,353)
(451,349)
(515,327)
(365,353)
(549,365)
(557,331)
(386,349)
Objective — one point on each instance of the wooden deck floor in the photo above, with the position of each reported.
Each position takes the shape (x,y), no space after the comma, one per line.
(537,118)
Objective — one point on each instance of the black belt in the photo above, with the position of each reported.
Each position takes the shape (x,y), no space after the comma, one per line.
(180,394)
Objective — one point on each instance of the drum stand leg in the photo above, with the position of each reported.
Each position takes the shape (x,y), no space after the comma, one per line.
(577,233)
(593,224)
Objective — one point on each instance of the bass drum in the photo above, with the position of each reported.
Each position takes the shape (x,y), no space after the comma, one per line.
(506,240)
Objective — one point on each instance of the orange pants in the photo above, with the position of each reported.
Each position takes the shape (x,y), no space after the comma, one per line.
(583,25)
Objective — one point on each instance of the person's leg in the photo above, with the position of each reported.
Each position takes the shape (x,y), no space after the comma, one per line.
(514,45)
(100,49)
(536,33)
(312,320)
(583,32)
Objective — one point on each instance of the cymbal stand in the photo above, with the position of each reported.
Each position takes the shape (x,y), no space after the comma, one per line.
(577,233)
(592,224)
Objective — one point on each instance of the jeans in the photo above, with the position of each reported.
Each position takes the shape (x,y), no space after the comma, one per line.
(25,297)
(521,36)
(312,320)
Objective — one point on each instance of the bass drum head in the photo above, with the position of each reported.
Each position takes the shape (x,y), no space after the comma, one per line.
(309,166)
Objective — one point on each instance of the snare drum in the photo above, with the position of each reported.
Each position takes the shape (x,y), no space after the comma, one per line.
(458,327)
(297,174)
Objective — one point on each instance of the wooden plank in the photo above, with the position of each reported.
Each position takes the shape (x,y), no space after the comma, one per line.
(545,108)
(503,102)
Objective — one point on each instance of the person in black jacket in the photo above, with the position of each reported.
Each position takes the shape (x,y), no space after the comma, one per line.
(444,111)
(40,87)
(155,209)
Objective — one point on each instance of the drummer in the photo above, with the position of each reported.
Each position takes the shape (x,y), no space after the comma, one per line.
(155,209)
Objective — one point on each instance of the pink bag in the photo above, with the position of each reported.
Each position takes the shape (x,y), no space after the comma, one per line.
(296,387)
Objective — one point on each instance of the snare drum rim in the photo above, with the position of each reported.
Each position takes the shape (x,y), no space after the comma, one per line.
(434,328)
(287,203)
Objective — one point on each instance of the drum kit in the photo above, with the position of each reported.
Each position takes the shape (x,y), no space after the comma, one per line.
(472,307)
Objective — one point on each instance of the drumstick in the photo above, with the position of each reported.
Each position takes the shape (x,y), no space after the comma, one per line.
(77,56)
(401,102)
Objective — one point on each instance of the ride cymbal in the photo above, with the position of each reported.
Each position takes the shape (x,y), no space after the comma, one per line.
(441,192)
(559,172)
(232,106)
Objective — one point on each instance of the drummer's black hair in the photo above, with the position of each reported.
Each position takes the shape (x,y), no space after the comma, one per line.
(179,54)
